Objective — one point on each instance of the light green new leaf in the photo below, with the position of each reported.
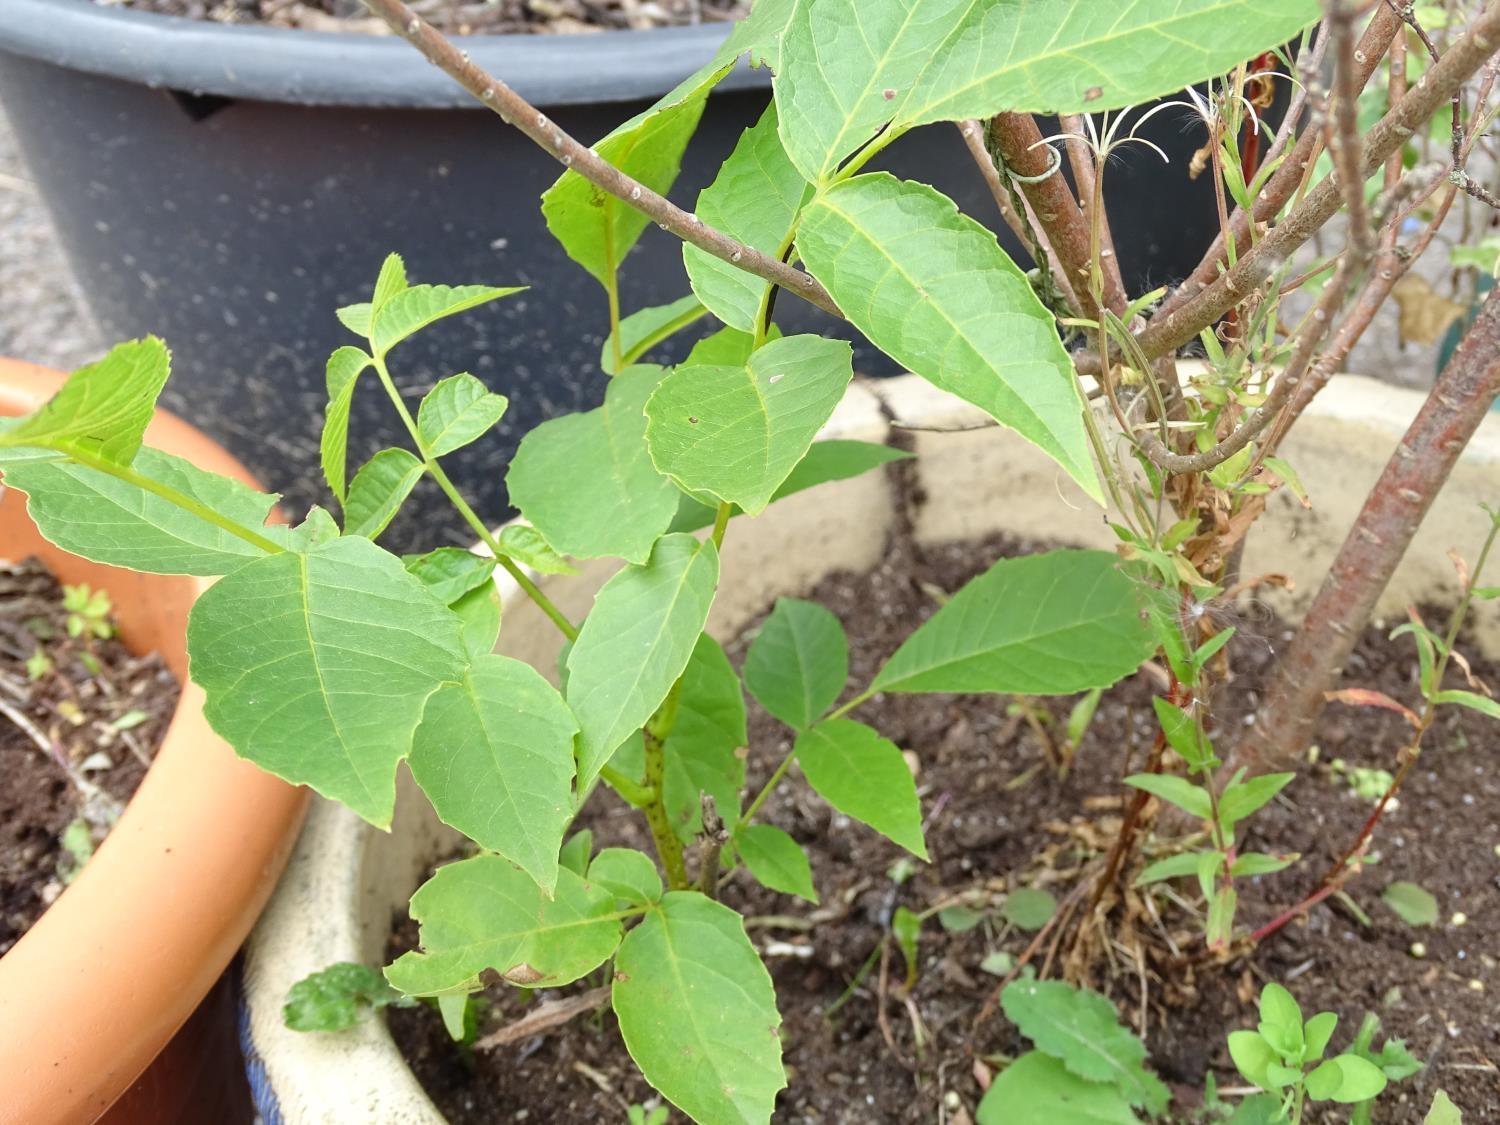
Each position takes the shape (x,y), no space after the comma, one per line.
(576,851)
(1037,1087)
(1081,1028)
(334,998)
(586,481)
(494,754)
(378,490)
(698,1013)
(1242,798)
(643,330)
(1346,1079)
(412,310)
(776,860)
(727,347)
(458,410)
(863,776)
(356,318)
(933,290)
(1472,700)
(755,198)
(1443,1111)
(1415,905)
(1050,624)
(1179,791)
(317,666)
(344,368)
(103,409)
(392,280)
(627,874)
(450,572)
(1030,908)
(736,433)
(634,644)
(798,662)
(478,614)
(526,546)
(486,913)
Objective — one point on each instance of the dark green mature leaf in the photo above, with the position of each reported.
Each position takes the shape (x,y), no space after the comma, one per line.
(635,643)
(1415,905)
(627,874)
(450,572)
(798,662)
(776,860)
(698,1013)
(644,329)
(333,999)
(344,368)
(460,409)
(526,546)
(736,433)
(412,310)
(863,776)
(586,481)
(378,490)
(933,290)
(494,754)
(317,666)
(1081,1029)
(486,913)
(755,198)
(1049,624)
(1036,1087)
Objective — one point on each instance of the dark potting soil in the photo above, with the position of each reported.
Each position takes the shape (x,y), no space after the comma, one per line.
(457,17)
(75,741)
(997,819)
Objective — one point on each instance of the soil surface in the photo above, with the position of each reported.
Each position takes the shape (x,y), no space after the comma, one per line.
(998,818)
(455,17)
(80,718)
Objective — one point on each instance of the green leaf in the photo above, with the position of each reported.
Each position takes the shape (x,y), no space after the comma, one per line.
(698,1013)
(317,666)
(906,928)
(863,776)
(412,310)
(526,546)
(576,851)
(494,754)
(460,409)
(755,198)
(1175,790)
(486,913)
(643,330)
(933,290)
(1081,1029)
(378,490)
(1173,867)
(776,860)
(1253,1057)
(1279,1009)
(450,572)
(634,644)
(1258,863)
(627,874)
(727,347)
(1316,1033)
(344,368)
(1443,1111)
(1049,624)
(391,280)
(1219,926)
(355,317)
(798,662)
(737,432)
(103,408)
(1029,908)
(459,1019)
(1183,734)
(1416,906)
(1472,700)
(1037,1087)
(92,514)
(478,613)
(1245,797)
(959,919)
(596,229)
(586,481)
(1346,1079)
(332,999)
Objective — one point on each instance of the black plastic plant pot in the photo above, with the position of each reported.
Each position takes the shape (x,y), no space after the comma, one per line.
(227,187)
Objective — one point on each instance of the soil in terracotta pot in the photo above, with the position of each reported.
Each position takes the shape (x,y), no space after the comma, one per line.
(475,17)
(998,819)
(80,718)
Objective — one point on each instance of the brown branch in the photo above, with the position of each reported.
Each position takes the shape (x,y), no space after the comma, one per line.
(515,110)
(544,1017)
(1085,176)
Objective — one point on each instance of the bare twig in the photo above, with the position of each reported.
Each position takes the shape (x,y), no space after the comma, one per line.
(711,847)
(1085,177)
(544,1017)
(1343,136)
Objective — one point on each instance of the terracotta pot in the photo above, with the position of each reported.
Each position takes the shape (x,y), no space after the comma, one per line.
(346,880)
(93,995)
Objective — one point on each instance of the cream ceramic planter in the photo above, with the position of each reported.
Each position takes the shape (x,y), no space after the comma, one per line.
(346,881)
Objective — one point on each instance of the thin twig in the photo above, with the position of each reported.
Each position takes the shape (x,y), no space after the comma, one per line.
(1343,139)
(1085,177)
(544,1017)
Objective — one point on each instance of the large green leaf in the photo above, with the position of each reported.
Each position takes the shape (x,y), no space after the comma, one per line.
(1050,624)
(933,290)
(378,490)
(486,913)
(413,309)
(1037,1087)
(586,481)
(457,411)
(736,433)
(798,662)
(634,644)
(755,198)
(344,368)
(317,666)
(698,1013)
(863,776)
(494,754)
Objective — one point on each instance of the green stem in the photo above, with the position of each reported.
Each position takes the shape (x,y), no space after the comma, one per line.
(721,522)
(612,289)
(635,794)
(654,734)
(786,763)
(672,327)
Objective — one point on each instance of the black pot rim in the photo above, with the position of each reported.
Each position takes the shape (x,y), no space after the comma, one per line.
(276,64)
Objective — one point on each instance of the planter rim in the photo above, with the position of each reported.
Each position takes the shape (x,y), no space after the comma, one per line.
(277,64)
(94,991)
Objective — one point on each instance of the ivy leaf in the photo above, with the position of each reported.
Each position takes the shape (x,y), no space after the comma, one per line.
(586,481)
(737,432)
(863,776)
(698,1013)
(798,662)
(486,913)
(344,368)
(635,643)
(378,490)
(755,199)
(1415,905)
(627,874)
(460,409)
(332,999)
(450,572)
(1049,624)
(776,860)
(1037,1087)
(494,754)
(526,546)
(1080,1029)
(317,666)
(644,329)
(932,289)
(413,309)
